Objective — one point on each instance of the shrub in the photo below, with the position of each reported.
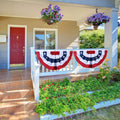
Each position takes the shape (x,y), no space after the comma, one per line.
(115,74)
(119,35)
(92,39)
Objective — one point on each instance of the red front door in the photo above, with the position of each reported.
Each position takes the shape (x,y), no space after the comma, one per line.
(17,45)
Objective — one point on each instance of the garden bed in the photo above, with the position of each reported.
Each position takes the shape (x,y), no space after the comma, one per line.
(80,111)
(67,98)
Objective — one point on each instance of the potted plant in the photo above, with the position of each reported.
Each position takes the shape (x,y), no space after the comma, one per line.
(97,19)
(50,15)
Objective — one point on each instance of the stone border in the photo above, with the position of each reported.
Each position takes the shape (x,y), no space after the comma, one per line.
(79,111)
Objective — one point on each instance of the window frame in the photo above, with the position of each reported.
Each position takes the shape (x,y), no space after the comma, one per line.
(46,29)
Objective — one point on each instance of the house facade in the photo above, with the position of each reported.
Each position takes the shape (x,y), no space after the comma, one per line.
(21,28)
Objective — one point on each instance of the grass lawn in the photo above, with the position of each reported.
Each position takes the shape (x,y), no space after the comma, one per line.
(110,113)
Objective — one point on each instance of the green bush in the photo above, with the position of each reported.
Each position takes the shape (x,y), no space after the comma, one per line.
(118,34)
(92,39)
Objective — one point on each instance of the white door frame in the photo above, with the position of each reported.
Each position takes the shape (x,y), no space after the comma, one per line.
(21,26)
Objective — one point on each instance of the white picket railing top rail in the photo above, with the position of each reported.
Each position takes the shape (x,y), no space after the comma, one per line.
(72,49)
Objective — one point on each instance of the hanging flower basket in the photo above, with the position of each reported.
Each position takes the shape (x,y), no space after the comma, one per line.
(95,27)
(50,16)
(49,22)
(97,19)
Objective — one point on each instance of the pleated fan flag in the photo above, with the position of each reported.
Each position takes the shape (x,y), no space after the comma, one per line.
(90,58)
(54,60)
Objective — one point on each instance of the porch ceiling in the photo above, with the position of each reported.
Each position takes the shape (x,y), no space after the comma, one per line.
(32,8)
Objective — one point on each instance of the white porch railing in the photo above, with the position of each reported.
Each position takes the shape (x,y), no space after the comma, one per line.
(38,70)
(35,68)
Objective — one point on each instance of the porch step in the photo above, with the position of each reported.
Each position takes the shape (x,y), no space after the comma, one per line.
(11,108)
(16,89)
(18,99)
(18,94)
(15,84)
(21,116)
(18,110)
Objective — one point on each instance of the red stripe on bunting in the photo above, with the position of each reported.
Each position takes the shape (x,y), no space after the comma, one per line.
(91,52)
(89,65)
(53,67)
(55,52)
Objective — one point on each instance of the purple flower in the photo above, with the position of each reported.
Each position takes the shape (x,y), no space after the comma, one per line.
(98,18)
(51,14)
(49,6)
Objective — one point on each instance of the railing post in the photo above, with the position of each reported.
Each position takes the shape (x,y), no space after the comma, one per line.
(32,62)
(74,61)
(35,69)
(36,76)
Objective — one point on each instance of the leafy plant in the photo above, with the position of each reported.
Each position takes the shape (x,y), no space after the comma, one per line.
(105,73)
(115,74)
(58,97)
(92,39)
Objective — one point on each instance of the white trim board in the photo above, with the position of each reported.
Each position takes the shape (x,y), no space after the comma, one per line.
(45,29)
(21,26)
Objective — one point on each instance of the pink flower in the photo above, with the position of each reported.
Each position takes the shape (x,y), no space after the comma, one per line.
(55,97)
(55,83)
(46,97)
(43,89)
(103,77)
(64,88)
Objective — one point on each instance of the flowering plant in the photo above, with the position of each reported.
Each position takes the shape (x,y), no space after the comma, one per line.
(98,19)
(50,15)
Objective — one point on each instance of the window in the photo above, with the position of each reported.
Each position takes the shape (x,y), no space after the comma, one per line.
(45,38)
